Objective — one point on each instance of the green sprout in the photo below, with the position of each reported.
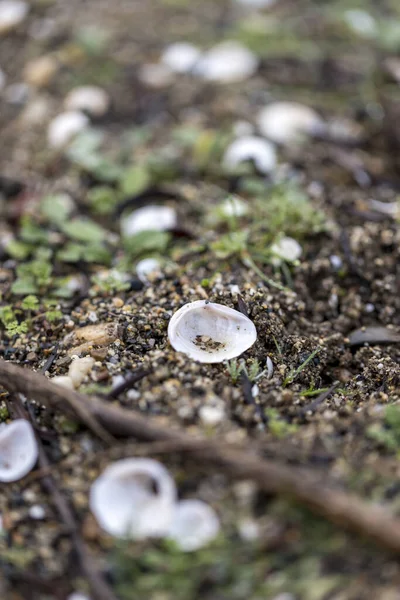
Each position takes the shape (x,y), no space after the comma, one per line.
(293,374)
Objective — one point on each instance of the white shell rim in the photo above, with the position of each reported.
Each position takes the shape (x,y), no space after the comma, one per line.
(205,357)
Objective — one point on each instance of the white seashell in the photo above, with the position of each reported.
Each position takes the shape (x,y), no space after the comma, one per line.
(79,368)
(288,122)
(146,267)
(234,207)
(155,75)
(253,148)
(361,22)
(286,249)
(63,128)
(64,381)
(210,332)
(89,98)
(194,525)
(149,218)
(227,62)
(78,596)
(18,450)
(12,13)
(180,57)
(134,497)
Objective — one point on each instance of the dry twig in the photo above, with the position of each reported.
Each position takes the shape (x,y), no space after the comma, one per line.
(339,507)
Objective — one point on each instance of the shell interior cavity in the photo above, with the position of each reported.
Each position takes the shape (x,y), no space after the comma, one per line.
(18,450)
(208,332)
(134,497)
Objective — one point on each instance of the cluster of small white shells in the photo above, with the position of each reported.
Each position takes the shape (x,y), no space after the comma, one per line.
(149,218)
(136,498)
(210,333)
(227,62)
(79,103)
(18,450)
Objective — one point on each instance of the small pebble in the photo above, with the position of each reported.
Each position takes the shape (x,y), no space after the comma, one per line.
(211,415)
(79,369)
(37,512)
(40,71)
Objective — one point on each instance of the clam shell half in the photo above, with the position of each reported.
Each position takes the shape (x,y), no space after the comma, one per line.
(209,333)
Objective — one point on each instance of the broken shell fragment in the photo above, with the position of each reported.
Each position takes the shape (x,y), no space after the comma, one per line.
(288,122)
(18,450)
(149,218)
(194,525)
(253,148)
(134,497)
(209,333)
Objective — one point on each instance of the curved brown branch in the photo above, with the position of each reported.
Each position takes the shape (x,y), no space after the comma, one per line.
(344,509)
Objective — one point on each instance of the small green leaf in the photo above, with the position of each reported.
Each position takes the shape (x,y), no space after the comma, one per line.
(71,252)
(134,180)
(18,250)
(147,241)
(31,302)
(56,208)
(23,287)
(103,199)
(84,230)
(32,233)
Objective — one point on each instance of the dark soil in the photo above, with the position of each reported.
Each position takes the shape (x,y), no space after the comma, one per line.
(347,278)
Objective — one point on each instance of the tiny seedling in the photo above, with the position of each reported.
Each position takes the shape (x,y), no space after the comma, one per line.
(293,374)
